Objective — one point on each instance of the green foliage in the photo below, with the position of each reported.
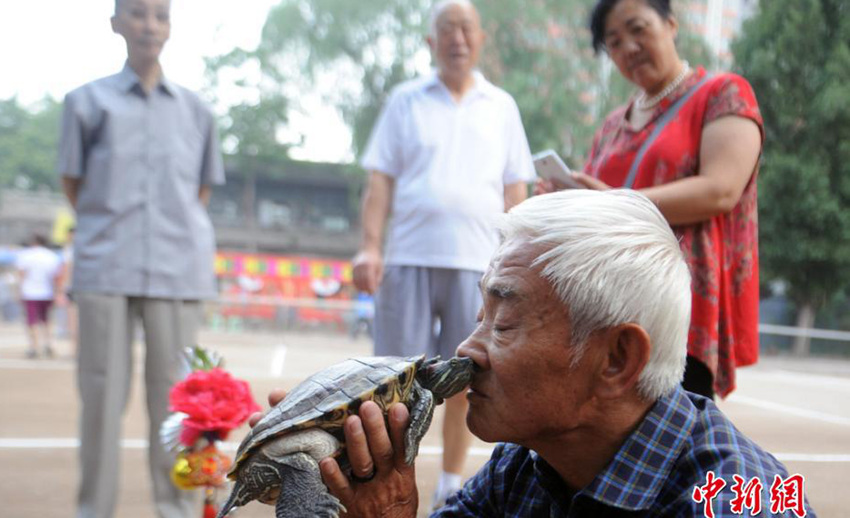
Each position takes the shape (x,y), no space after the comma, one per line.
(539,52)
(28,141)
(352,53)
(796,56)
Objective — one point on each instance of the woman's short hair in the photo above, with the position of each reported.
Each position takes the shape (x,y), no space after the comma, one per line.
(613,259)
(600,15)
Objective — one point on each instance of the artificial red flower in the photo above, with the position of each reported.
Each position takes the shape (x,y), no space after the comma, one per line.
(215,402)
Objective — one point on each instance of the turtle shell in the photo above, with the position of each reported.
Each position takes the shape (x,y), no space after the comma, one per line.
(329,396)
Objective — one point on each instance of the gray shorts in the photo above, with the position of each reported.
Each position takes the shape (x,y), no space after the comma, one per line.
(421,310)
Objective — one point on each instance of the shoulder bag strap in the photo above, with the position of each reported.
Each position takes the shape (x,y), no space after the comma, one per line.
(659,127)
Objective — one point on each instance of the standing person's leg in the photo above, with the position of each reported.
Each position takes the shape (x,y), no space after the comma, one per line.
(44,310)
(73,319)
(403,317)
(31,313)
(458,300)
(104,372)
(170,327)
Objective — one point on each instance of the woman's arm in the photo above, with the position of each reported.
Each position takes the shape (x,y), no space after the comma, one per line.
(729,151)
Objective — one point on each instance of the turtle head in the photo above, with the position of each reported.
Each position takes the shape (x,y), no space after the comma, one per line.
(446,378)
(258,480)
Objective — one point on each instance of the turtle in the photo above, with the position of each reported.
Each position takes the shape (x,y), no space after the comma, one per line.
(278,461)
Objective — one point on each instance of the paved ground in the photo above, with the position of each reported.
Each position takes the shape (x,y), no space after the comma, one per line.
(797,409)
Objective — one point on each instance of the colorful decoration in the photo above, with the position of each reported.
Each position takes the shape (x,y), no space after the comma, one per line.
(207,405)
(234,264)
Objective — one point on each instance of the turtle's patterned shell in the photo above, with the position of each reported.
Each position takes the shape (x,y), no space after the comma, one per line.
(326,398)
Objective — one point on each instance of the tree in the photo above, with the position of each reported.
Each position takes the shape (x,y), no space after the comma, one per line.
(801,82)
(28,141)
(352,53)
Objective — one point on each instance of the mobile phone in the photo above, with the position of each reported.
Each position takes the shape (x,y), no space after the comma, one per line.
(550,167)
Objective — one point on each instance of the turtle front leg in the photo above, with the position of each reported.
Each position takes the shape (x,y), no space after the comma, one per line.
(302,492)
(420,419)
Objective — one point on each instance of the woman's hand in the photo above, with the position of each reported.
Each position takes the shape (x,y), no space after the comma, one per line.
(590,182)
(543,186)
(382,484)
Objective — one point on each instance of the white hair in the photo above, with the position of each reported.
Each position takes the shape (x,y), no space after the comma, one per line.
(613,259)
(438,9)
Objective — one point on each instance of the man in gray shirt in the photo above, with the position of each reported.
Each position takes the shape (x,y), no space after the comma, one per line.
(138,157)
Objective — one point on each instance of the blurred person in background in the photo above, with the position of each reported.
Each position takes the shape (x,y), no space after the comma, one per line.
(446,156)
(691,142)
(64,298)
(364,316)
(39,271)
(10,306)
(138,157)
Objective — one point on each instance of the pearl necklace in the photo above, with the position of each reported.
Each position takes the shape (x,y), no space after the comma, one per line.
(644,104)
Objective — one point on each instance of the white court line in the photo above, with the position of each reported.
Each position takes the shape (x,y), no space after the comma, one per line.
(803,379)
(278,360)
(138,444)
(785,409)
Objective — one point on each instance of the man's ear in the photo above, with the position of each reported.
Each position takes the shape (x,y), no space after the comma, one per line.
(627,349)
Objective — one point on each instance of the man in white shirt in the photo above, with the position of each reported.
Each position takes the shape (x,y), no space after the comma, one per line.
(38,269)
(448,154)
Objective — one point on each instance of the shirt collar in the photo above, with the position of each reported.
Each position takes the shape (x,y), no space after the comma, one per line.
(479,87)
(127,79)
(642,466)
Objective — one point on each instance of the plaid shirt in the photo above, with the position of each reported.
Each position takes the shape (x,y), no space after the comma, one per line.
(655,472)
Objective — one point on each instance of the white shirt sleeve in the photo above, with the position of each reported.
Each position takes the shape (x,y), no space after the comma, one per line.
(518,166)
(383,153)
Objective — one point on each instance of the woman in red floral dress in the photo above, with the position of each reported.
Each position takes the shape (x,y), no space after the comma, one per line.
(700,169)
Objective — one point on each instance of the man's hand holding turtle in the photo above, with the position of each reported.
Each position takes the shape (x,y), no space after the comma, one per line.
(382,484)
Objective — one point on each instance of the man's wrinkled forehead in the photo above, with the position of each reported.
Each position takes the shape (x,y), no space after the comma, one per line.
(512,269)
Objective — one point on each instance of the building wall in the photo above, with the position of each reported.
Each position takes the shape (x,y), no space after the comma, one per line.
(301,214)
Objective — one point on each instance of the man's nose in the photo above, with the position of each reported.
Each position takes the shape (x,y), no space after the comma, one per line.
(457,36)
(473,347)
(151,22)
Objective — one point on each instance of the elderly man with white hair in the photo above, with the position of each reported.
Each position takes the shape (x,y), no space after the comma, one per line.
(581,348)
(447,155)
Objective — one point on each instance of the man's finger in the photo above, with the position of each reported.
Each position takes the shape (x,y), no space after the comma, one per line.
(399,418)
(372,277)
(357,445)
(335,479)
(255,418)
(276,396)
(377,436)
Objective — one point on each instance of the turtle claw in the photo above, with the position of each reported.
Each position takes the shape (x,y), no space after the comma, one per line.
(302,492)
(420,419)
